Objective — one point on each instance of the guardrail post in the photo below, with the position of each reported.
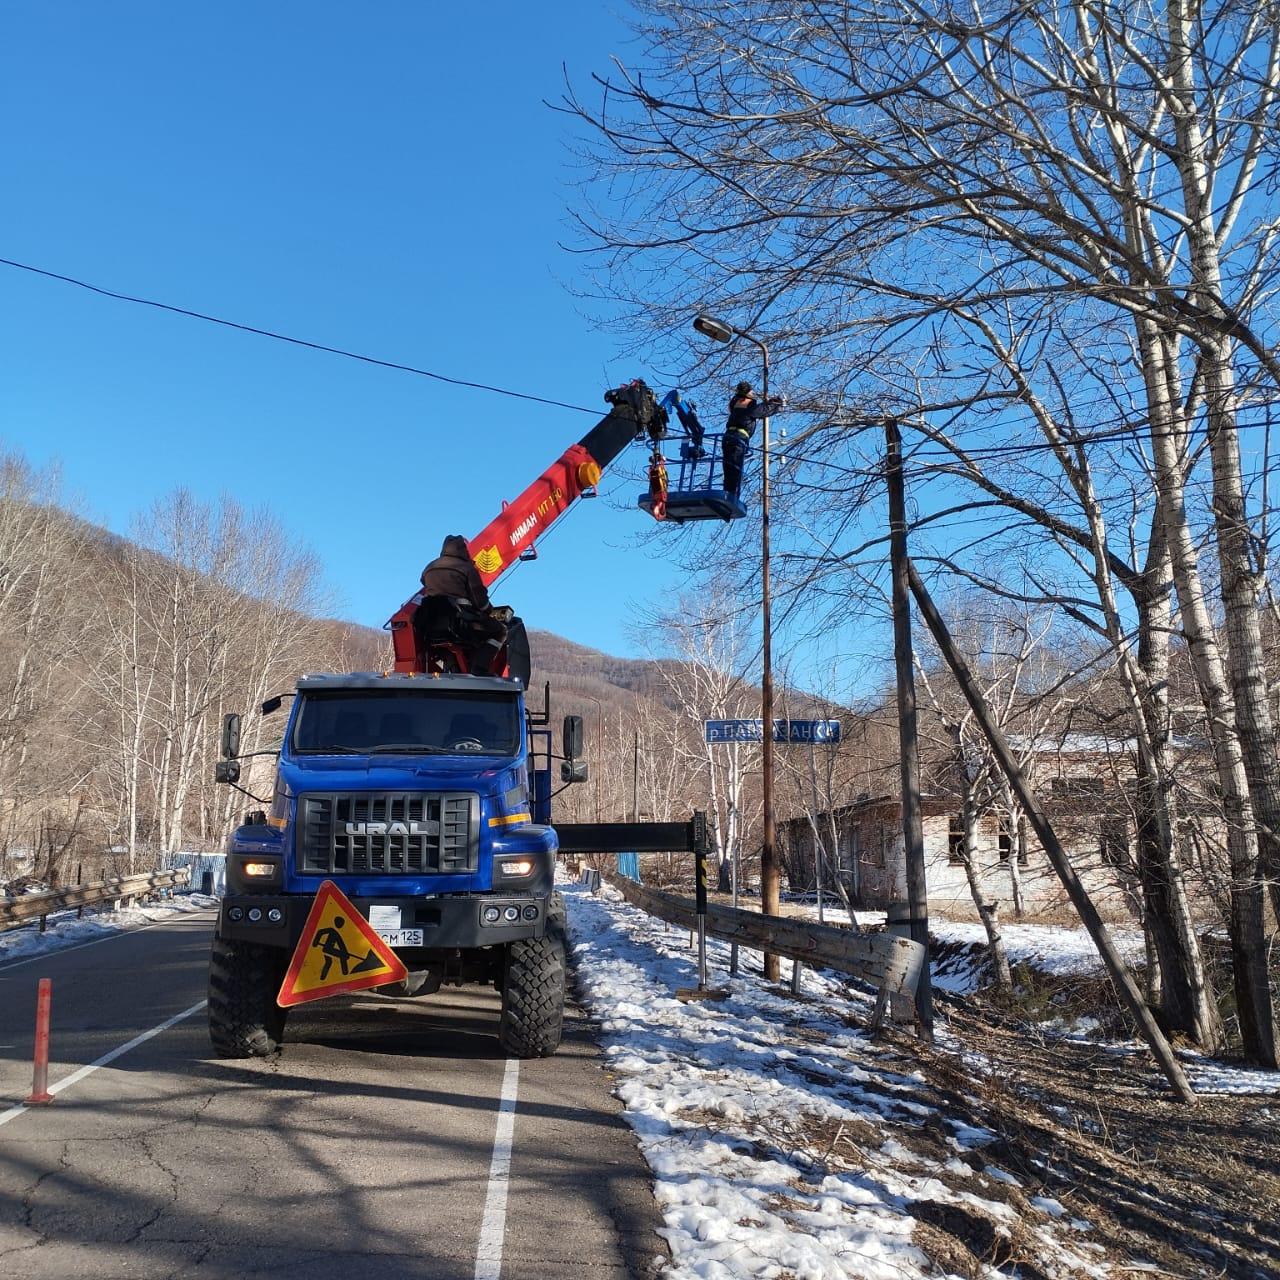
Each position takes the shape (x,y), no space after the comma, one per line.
(40,1072)
(700,905)
(702,991)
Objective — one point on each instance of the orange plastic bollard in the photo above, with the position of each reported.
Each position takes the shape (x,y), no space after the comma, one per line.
(40,1081)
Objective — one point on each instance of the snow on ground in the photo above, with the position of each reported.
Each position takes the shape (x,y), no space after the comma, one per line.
(1051,949)
(1207,1075)
(783,1141)
(1063,952)
(66,931)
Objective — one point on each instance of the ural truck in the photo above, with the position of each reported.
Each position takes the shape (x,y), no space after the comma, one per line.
(427,802)
(424,794)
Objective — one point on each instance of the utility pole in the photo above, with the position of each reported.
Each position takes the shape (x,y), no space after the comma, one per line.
(908,741)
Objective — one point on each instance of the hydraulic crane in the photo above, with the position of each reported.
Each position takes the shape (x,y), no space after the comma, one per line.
(421,810)
(511,535)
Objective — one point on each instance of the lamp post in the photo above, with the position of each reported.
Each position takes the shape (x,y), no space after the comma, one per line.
(770,870)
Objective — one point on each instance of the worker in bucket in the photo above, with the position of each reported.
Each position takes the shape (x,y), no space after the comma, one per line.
(737,436)
(744,412)
(453,575)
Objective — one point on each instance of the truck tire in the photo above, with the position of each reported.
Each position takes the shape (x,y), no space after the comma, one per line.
(244,1019)
(533,986)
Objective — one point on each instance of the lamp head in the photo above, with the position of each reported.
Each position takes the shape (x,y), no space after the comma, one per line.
(713,328)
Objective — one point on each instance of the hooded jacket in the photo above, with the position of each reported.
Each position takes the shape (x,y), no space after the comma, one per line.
(453,573)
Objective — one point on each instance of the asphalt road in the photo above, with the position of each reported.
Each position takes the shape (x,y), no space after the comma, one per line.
(366,1149)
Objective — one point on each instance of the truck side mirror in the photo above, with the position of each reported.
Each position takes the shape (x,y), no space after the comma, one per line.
(231,735)
(272,704)
(572,737)
(573,771)
(226,771)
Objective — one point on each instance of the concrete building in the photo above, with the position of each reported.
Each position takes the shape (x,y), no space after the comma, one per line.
(1084,782)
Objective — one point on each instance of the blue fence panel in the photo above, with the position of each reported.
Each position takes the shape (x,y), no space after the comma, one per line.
(629,866)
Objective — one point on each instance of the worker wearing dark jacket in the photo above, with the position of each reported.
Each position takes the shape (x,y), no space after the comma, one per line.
(453,575)
(737,436)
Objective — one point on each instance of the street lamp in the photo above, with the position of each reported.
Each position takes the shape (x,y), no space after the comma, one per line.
(770,870)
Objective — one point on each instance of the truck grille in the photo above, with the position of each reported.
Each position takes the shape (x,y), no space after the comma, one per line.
(389,833)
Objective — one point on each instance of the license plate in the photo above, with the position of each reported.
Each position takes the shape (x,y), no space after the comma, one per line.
(401,937)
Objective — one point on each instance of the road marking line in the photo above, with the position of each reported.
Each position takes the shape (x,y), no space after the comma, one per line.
(493,1226)
(6,965)
(81,1072)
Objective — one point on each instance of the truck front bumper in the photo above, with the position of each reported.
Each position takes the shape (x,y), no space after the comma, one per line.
(455,922)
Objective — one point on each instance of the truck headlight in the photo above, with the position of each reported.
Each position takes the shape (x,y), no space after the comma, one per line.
(262,870)
(492,915)
(515,867)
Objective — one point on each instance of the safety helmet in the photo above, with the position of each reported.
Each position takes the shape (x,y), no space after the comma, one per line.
(742,389)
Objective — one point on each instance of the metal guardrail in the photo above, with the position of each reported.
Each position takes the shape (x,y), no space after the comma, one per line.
(37,906)
(884,960)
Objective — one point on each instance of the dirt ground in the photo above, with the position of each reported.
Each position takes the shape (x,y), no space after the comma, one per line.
(1194,1190)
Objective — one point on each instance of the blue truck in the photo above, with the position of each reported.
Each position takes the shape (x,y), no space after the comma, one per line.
(427,800)
(424,794)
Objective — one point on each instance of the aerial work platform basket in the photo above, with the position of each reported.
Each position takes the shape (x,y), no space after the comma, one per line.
(695,488)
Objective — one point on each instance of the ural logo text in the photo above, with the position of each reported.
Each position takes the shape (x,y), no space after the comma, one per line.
(388,828)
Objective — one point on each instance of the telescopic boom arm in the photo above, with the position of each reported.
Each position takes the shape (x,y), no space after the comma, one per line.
(517,527)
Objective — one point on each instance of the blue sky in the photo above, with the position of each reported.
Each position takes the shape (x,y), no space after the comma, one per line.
(378,177)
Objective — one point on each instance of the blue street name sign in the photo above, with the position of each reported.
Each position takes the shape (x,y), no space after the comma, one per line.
(827,731)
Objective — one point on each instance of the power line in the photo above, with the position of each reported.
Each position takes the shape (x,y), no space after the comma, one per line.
(284,337)
(1134,427)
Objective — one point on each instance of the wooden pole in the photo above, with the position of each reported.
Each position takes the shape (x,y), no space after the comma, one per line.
(908,742)
(1027,798)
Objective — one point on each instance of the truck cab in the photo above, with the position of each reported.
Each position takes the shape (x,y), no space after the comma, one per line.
(426,800)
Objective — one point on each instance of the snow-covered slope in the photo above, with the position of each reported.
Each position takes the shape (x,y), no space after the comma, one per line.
(783,1141)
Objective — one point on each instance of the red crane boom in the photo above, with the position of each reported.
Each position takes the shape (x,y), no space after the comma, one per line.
(517,527)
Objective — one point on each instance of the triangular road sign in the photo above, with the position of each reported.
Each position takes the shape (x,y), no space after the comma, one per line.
(338,952)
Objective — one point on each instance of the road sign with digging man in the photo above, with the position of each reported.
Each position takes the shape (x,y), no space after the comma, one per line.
(338,952)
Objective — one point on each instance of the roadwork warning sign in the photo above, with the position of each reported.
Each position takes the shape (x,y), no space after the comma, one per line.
(338,952)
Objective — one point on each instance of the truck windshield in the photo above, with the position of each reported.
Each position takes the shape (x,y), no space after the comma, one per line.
(371,722)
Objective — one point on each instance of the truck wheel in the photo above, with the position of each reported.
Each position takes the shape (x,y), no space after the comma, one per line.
(244,1019)
(533,990)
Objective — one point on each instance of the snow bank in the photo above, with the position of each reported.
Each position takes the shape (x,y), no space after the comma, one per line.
(66,931)
(783,1142)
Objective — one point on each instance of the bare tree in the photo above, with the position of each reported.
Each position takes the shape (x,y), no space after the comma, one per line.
(1043,234)
(704,675)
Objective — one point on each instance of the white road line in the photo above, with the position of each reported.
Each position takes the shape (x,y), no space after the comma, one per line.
(494,1224)
(80,1073)
(6,965)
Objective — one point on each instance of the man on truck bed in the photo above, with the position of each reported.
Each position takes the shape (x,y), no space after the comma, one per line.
(453,575)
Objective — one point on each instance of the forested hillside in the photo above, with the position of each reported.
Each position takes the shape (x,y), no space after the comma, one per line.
(119,656)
